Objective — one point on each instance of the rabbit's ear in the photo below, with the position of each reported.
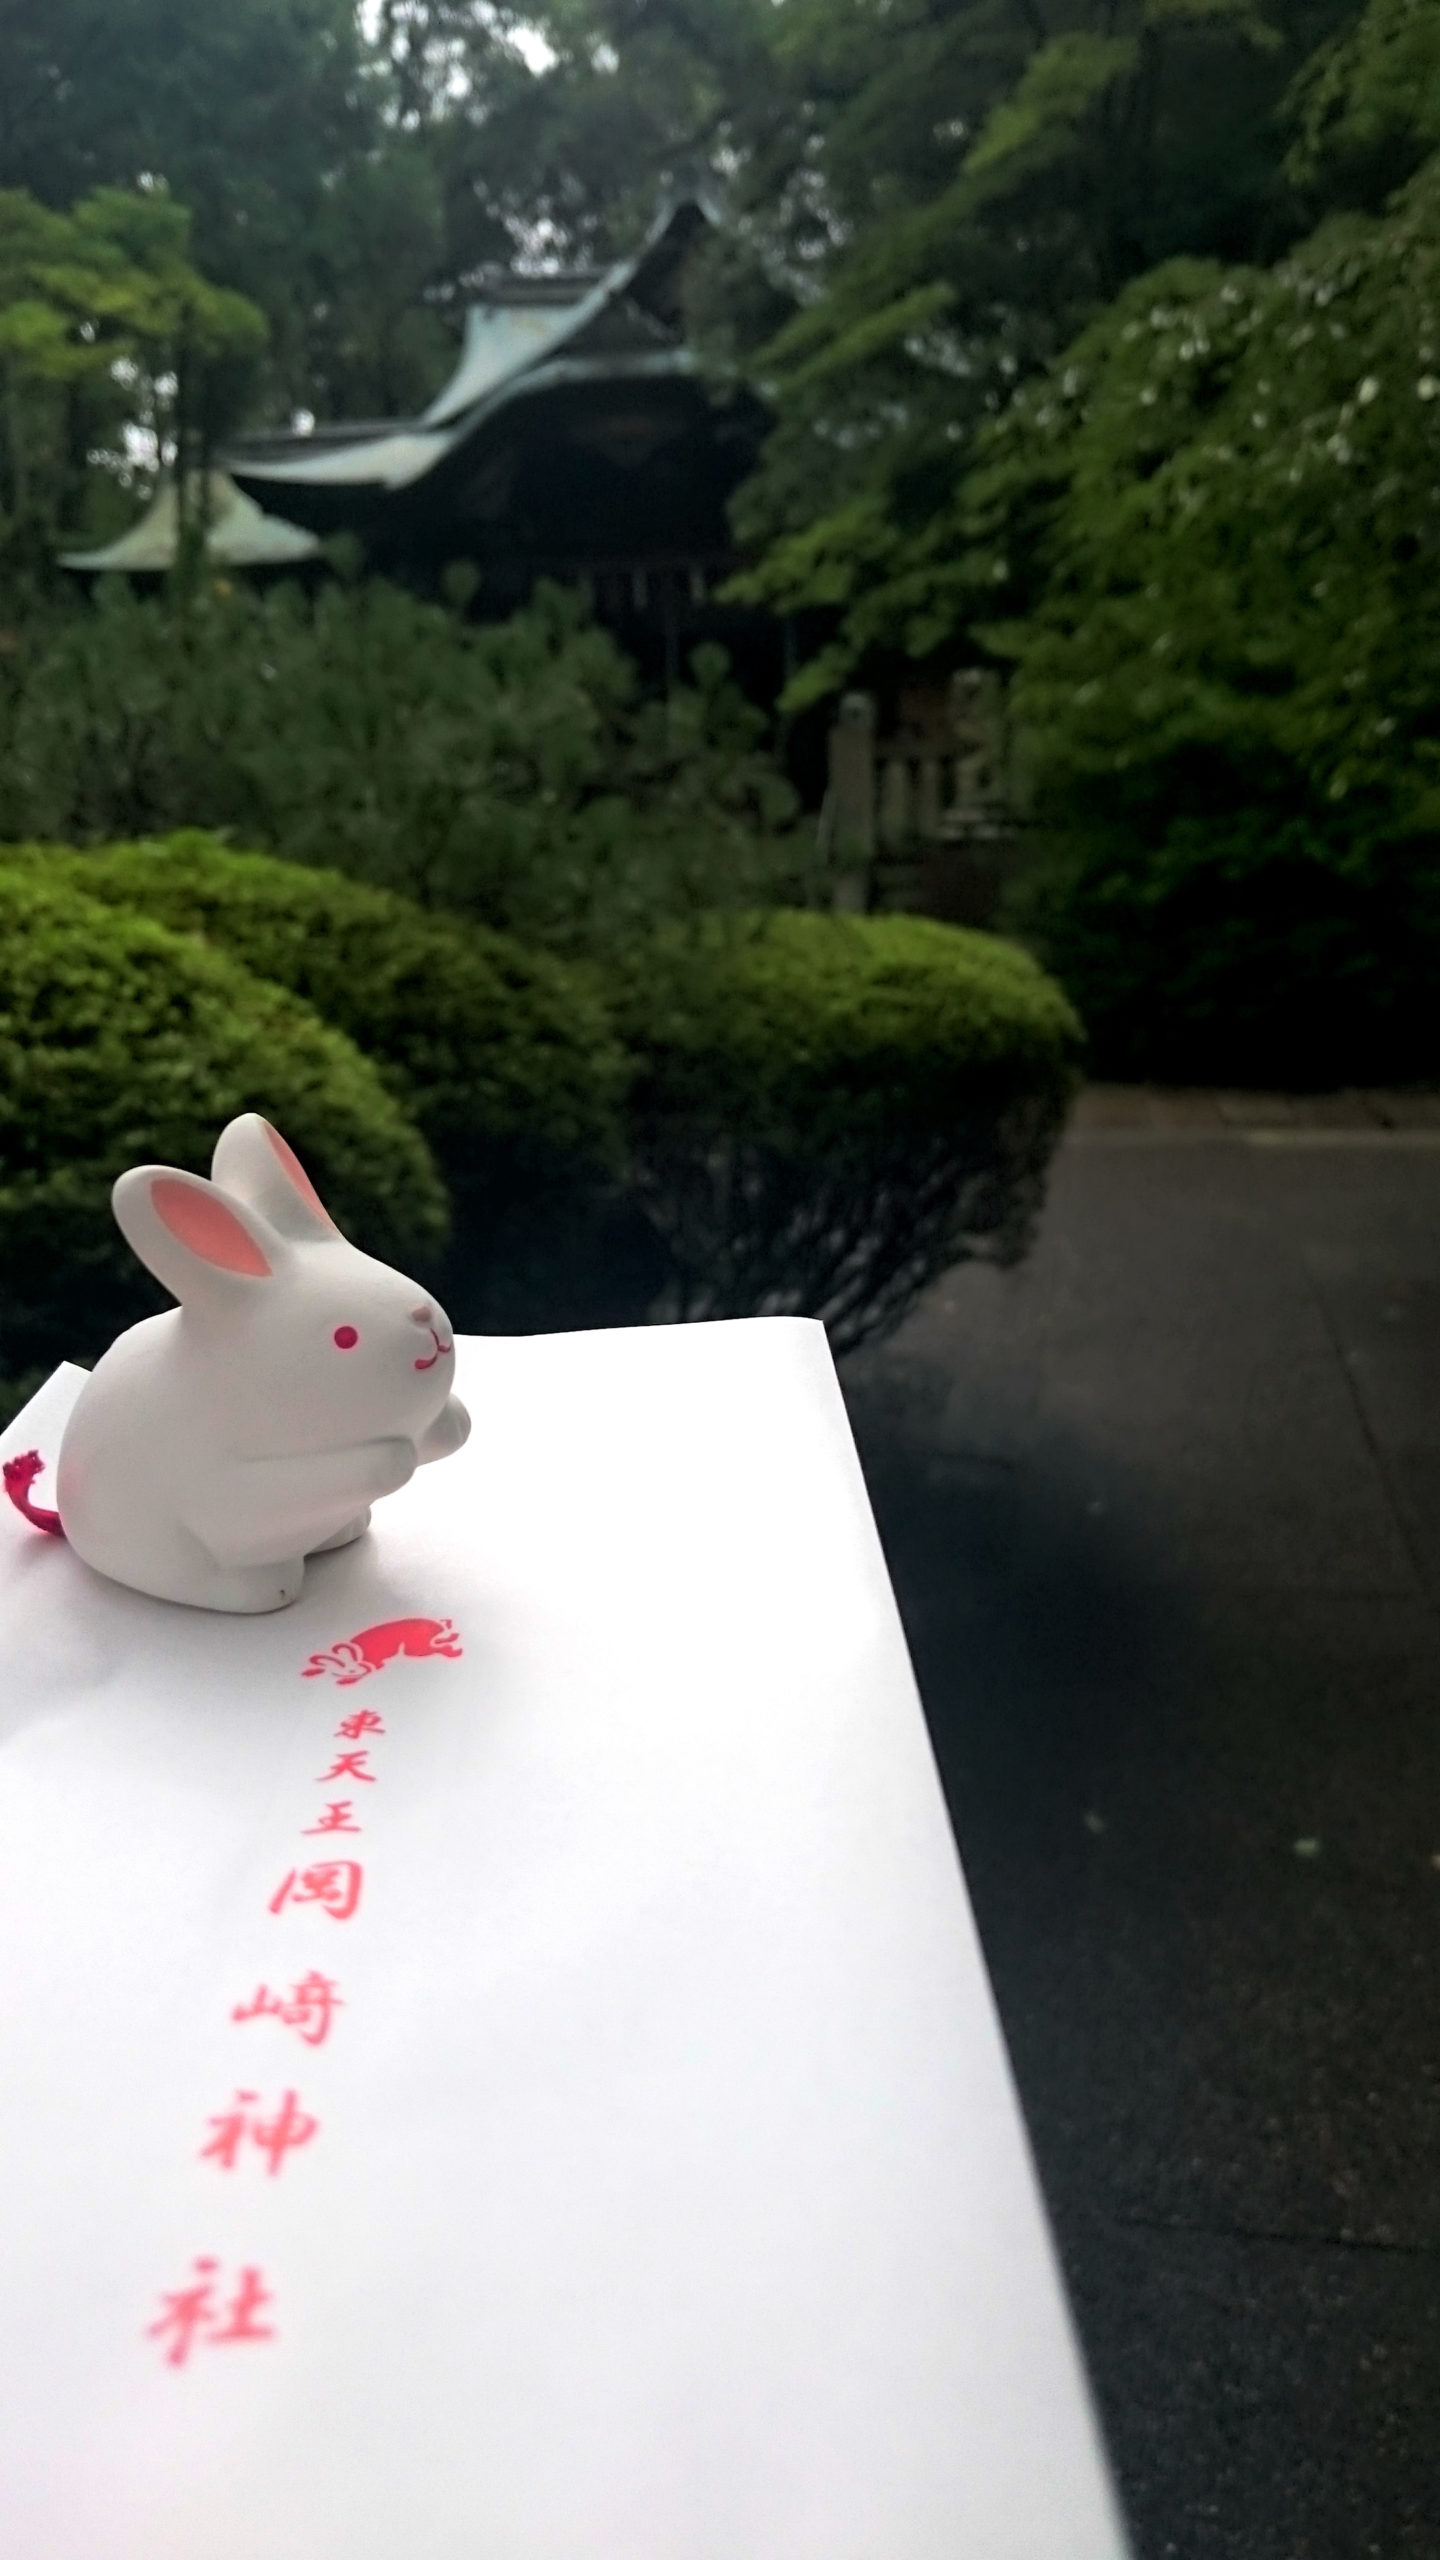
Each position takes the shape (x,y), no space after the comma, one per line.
(199,1241)
(255,1165)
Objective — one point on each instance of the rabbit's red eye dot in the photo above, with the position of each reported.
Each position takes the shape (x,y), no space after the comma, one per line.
(346,1337)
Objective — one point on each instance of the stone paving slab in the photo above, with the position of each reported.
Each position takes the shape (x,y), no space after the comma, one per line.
(1278,2396)
(1171,1110)
(1163,1511)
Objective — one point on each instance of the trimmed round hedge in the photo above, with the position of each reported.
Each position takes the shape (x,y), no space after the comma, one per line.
(792,1113)
(828,1111)
(492,1048)
(505,1059)
(123,1043)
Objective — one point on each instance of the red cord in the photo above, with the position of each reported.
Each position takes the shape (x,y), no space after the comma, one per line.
(20,1474)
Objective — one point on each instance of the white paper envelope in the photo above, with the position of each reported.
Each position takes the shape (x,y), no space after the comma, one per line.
(495,2060)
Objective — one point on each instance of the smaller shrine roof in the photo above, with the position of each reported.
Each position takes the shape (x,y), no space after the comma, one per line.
(239,535)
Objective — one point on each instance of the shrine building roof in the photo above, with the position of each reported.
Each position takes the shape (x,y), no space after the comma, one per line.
(524,336)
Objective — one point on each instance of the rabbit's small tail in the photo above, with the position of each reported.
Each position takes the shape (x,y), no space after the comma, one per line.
(20,1474)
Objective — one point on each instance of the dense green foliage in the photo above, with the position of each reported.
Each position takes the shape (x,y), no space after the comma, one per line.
(104,322)
(1088,339)
(122,1043)
(982,179)
(819,1113)
(490,1047)
(350,170)
(504,1058)
(257,117)
(509,771)
(1366,108)
(829,1111)
(926,197)
(1217,534)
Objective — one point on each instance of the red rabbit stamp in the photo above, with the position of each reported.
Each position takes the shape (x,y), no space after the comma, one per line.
(355,1657)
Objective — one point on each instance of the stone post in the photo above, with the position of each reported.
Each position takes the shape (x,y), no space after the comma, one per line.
(852,800)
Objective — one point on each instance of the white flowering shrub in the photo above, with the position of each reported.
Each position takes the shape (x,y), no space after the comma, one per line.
(1210,542)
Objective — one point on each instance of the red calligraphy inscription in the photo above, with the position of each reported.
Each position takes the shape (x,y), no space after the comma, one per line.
(348,1765)
(356,1657)
(334,1884)
(309,2007)
(336,1817)
(360,1720)
(289,2129)
(193,2315)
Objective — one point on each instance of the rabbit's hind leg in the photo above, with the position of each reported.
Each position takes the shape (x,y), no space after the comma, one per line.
(345,1537)
(242,1590)
(252,1590)
(170,1563)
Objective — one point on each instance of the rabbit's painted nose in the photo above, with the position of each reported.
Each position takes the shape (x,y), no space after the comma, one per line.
(422,1315)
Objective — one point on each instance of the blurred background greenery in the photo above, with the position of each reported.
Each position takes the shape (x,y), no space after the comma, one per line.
(1099,349)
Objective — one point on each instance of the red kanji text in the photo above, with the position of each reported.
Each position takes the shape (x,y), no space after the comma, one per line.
(334,1884)
(347,1765)
(289,2129)
(336,1817)
(364,1720)
(308,2007)
(194,2315)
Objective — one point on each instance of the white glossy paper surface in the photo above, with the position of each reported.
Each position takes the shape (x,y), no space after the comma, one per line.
(668,2198)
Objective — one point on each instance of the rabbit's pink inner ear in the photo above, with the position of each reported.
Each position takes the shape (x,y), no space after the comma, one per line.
(297,1174)
(201,1221)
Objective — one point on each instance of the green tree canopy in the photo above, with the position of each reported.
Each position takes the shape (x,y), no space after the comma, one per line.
(1209,540)
(352,171)
(981,179)
(1217,527)
(246,113)
(1367,106)
(104,318)
(926,201)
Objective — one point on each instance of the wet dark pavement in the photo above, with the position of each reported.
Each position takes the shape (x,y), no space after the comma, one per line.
(1163,1513)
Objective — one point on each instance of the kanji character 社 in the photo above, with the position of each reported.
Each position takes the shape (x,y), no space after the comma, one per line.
(191,2313)
(186,2312)
(308,2007)
(240,2322)
(287,2130)
(334,1884)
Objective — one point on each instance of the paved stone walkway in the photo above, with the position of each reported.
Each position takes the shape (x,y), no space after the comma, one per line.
(1163,1509)
(1115,1110)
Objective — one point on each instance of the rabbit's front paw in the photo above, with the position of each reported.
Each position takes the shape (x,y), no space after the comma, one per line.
(448,1432)
(393,1463)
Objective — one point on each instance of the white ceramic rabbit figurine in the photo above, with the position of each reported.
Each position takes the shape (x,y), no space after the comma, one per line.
(216,1446)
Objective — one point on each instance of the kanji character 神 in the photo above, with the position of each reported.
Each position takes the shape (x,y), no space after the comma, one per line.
(191,2313)
(364,1720)
(336,1817)
(334,1884)
(308,2008)
(287,2130)
(347,1765)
